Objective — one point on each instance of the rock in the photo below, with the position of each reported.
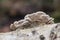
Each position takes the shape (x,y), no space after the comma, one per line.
(36,26)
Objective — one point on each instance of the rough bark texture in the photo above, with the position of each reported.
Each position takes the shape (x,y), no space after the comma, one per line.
(35,26)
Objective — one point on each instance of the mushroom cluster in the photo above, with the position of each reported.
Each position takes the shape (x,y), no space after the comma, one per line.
(32,20)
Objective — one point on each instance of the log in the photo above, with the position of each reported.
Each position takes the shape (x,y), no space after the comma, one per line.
(35,26)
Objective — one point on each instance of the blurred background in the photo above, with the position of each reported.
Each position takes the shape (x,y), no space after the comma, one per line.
(13,10)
